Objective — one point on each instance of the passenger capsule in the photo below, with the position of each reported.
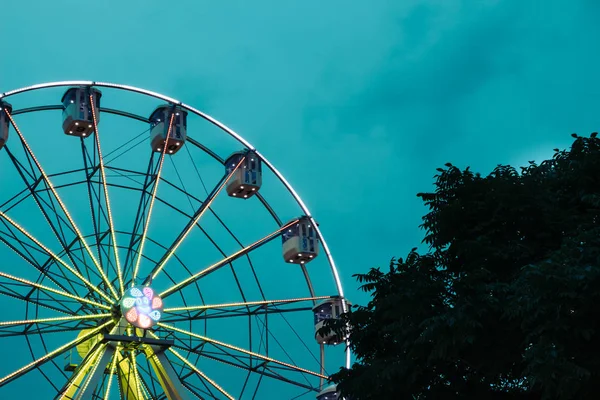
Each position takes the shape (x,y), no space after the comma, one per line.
(160,120)
(300,242)
(247,179)
(4,122)
(78,119)
(330,309)
(329,393)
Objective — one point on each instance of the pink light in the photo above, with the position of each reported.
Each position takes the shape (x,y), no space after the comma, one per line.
(157,303)
(131,315)
(149,293)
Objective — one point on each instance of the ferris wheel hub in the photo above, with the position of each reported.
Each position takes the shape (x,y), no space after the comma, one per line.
(141,306)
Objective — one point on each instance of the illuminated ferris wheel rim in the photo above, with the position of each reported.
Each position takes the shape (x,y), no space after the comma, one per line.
(224,128)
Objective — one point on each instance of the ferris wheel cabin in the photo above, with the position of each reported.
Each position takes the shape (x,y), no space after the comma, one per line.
(247,179)
(163,131)
(78,119)
(300,242)
(329,393)
(4,122)
(330,309)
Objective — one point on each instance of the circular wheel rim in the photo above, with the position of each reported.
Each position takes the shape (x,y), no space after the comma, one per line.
(223,128)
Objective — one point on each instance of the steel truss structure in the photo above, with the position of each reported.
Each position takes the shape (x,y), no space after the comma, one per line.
(69,280)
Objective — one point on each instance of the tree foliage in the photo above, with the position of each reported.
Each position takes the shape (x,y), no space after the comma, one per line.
(506,302)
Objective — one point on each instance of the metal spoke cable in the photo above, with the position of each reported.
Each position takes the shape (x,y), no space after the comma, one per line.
(127,142)
(182,184)
(126,151)
(284,352)
(196,168)
(299,337)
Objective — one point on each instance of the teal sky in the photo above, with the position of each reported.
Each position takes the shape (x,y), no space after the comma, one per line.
(355,102)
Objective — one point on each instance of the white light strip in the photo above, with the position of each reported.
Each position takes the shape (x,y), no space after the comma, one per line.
(45,86)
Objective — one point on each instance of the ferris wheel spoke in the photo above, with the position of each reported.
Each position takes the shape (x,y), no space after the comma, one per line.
(127,377)
(37,187)
(51,355)
(24,250)
(207,391)
(140,214)
(48,330)
(107,198)
(52,255)
(113,367)
(136,375)
(193,221)
(239,349)
(237,309)
(242,363)
(77,379)
(52,290)
(52,319)
(56,196)
(11,291)
(201,374)
(152,200)
(226,260)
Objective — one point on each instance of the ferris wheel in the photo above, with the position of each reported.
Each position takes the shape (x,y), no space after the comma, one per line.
(154,255)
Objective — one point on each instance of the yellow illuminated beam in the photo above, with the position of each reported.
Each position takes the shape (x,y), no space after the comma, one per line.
(55,257)
(231,347)
(91,362)
(125,377)
(106,197)
(203,375)
(56,291)
(113,367)
(196,370)
(52,354)
(205,206)
(136,375)
(224,261)
(243,304)
(62,205)
(55,319)
(145,232)
(97,359)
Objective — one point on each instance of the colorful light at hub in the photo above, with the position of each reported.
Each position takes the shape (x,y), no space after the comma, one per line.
(141,307)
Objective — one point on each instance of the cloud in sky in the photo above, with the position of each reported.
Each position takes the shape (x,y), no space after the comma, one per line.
(356,102)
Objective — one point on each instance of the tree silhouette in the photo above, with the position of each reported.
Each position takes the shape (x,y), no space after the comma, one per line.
(505,304)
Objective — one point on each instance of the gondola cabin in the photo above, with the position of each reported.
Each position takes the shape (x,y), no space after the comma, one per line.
(329,393)
(329,309)
(247,178)
(160,122)
(300,242)
(78,118)
(4,123)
